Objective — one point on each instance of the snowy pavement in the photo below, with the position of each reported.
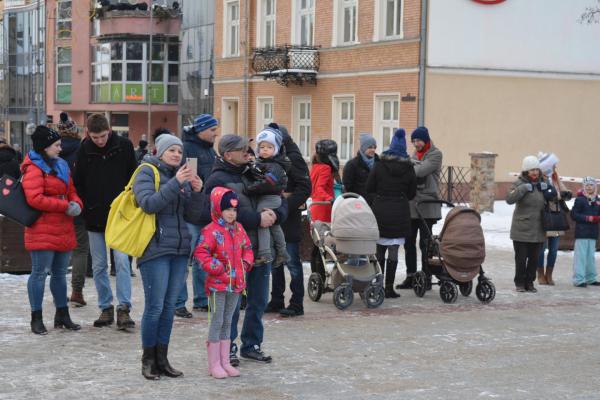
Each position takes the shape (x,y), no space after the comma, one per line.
(521,346)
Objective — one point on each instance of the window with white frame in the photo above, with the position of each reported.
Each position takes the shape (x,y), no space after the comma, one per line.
(344,126)
(304,22)
(386,118)
(345,24)
(63,19)
(266,23)
(232,29)
(388,24)
(302,124)
(264,114)
(63,74)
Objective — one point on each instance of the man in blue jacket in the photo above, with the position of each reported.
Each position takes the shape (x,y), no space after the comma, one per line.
(198,142)
(227,172)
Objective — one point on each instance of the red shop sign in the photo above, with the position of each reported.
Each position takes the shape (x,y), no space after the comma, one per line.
(489,2)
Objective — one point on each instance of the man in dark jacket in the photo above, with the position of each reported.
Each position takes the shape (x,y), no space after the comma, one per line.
(198,143)
(297,192)
(227,172)
(427,160)
(104,165)
(356,171)
(70,143)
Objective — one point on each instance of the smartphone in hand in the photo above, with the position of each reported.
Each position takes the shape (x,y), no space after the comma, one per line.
(192,164)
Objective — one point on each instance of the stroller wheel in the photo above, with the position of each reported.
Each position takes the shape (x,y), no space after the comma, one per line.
(466,288)
(485,291)
(448,292)
(373,296)
(419,283)
(343,296)
(315,286)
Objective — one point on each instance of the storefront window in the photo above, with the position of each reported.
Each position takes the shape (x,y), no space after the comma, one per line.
(121,69)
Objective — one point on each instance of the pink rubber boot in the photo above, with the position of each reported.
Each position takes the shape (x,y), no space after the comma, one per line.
(231,371)
(214,361)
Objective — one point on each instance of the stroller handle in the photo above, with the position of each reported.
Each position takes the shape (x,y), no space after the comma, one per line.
(350,195)
(418,209)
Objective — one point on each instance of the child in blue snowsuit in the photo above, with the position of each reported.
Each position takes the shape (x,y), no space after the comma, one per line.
(586,214)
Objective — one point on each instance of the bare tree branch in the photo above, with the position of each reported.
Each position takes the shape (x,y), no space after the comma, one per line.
(591,15)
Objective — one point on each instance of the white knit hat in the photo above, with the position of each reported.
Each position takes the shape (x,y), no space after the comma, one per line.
(529,163)
(547,162)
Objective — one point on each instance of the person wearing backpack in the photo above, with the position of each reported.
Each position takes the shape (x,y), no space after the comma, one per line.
(163,264)
(104,165)
(48,187)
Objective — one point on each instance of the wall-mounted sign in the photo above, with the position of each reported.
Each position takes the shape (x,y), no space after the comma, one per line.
(488,2)
(409,97)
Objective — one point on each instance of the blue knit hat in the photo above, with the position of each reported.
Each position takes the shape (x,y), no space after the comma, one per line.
(421,133)
(398,145)
(204,122)
(269,135)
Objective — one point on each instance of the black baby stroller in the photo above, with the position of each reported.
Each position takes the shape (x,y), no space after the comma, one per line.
(343,260)
(455,257)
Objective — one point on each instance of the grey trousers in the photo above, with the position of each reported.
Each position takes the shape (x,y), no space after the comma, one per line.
(275,231)
(79,259)
(222,305)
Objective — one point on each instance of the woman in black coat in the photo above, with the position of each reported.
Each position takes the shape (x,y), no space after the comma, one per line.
(391,184)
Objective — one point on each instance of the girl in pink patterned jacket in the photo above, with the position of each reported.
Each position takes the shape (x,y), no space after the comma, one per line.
(225,253)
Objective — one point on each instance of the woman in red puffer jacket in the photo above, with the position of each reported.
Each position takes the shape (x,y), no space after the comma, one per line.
(225,253)
(48,188)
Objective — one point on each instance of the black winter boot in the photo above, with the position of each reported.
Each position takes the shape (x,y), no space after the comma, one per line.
(62,319)
(389,279)
(407,283)
(162,364)
(149,364)
(37,323)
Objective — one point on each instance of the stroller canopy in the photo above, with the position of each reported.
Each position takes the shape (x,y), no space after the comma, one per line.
(462,244)
(353,225)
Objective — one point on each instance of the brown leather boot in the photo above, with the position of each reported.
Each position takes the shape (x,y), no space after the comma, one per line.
(549,276)
(77,298)
(541,277)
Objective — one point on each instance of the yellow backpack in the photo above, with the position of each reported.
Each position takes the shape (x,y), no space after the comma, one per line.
(129,229)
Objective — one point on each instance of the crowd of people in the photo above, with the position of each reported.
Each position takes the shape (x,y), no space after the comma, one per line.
(235,215)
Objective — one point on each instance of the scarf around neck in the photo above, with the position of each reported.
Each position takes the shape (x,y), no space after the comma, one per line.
(421,154)
(57,165)
(369,161)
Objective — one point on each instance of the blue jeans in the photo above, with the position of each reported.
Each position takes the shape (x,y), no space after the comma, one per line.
(198,276)
(584,262)
(552,245)
(296,281)
(100,268)
(42,262)
(257,288)
(162,278)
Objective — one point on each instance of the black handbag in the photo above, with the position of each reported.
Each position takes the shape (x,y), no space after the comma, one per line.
(13,204)
(554,220)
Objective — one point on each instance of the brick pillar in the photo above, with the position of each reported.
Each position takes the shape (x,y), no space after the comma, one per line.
(483,186)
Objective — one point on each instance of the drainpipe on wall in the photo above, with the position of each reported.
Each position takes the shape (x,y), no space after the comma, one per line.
(422,62)
(244,127)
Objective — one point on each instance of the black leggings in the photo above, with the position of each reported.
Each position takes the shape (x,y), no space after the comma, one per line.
(391,250)
(526,262)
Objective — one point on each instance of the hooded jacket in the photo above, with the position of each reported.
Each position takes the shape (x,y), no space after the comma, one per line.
(8,161)
(391,184)
(100,175)
(168,205)
(224,250)
(54,230)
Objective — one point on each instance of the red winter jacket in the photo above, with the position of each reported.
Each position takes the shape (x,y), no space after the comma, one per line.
(321,177)
(225,252)
(54,230)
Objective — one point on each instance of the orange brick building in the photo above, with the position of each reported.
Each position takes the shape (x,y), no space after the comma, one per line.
(352,67)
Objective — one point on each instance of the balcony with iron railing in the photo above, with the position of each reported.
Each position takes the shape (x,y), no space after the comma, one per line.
(287,64)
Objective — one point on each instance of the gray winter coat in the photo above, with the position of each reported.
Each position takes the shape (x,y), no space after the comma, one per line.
(428,172)
(168,204)
(527,218)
